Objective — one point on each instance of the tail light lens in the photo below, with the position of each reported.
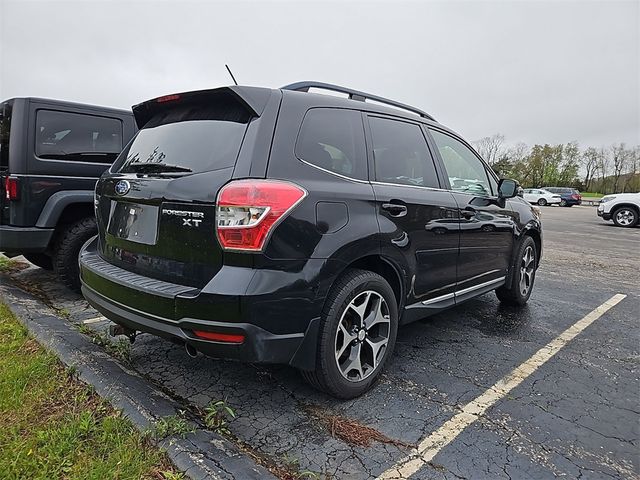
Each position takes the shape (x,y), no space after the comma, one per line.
(12,188)
(248,211)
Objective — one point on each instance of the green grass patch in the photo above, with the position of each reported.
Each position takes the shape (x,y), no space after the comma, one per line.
(54,426)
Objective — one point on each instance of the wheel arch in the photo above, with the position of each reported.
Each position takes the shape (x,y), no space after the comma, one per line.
(384,267)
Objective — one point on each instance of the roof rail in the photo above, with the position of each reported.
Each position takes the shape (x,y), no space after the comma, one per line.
(354,95)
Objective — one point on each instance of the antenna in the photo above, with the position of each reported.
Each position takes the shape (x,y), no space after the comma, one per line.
(232,77)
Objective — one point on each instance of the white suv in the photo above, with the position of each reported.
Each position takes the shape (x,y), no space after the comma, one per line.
(622,208)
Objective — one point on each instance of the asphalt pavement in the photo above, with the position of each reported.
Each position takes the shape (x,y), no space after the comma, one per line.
(575,415)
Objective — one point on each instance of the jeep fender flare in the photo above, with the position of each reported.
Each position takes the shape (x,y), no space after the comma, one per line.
(58,202)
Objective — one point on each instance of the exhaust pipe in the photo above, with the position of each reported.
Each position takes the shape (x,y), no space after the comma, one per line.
(191,350)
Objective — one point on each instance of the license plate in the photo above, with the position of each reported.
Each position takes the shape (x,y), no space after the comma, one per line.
(134,222)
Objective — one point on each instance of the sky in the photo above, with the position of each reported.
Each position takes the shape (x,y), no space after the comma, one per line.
(534,71)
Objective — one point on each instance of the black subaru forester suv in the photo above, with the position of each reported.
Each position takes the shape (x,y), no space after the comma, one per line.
(284,226)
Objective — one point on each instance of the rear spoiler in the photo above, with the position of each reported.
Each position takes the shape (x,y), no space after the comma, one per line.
(253,98)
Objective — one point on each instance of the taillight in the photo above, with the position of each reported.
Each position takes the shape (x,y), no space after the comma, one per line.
(248,211)
(12,188)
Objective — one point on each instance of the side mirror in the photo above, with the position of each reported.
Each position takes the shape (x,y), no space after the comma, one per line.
(507,188)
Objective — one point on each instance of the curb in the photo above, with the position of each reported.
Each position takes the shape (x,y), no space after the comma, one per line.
(200,454)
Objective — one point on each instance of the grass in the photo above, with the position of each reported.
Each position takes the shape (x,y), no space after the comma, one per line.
(53,426)
(9,265)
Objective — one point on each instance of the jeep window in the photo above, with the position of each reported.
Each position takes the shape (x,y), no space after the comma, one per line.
(6,109)
(465,170)
(401,154)
(77,137)
(189,137)
(333,139)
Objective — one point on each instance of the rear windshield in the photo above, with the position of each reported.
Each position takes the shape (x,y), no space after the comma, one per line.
(192,138)
(5,127)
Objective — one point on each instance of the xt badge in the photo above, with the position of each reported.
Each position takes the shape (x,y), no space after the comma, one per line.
(189,219)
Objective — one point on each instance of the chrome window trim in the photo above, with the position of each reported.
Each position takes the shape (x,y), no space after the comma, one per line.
(332,172)
(410,186)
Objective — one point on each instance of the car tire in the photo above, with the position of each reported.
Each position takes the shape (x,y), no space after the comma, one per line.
(350,358)
(524,274)
(625,217)
(542,202)
(41,260)
(67,249)
(563,203)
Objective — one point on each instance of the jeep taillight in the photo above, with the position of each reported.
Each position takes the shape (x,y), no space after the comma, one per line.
(11,188)
(248,210)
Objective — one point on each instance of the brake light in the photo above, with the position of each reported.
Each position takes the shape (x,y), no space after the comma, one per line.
(167,98)
(12,188)
(219,337)
(248,211)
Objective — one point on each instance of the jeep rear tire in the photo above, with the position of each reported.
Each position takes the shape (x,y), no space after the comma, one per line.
(41,260)
(357,334)
(67,248)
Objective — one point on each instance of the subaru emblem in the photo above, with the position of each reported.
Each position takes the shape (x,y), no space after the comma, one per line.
(122,187)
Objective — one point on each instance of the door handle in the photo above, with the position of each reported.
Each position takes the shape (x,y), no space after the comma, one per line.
(395,209)
(468,213)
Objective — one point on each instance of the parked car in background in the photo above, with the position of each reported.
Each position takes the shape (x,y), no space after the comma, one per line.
(282,226)
(622,208)
(568,196)
(541,197)
(51,155)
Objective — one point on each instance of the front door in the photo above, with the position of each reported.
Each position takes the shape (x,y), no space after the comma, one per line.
(487,226)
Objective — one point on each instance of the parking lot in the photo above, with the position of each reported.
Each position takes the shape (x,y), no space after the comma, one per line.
(575,415)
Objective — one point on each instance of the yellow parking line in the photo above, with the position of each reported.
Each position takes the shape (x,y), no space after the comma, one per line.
(428,448)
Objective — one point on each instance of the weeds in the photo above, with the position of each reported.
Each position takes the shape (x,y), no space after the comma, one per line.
(172,425)
(218,415)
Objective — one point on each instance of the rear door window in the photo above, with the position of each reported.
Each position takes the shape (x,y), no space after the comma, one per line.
(77,137)
(401,155)
(333,139)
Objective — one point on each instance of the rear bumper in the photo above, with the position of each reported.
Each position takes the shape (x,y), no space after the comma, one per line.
(24,239)
(259,346)
(175,311)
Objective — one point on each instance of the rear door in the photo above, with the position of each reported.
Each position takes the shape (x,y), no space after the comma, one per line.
(487,230)
(156,210)
(418,220)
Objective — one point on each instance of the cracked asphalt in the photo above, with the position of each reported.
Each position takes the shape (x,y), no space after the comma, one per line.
(576,417)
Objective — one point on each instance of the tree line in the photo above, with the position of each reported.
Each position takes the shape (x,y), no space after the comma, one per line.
(612,169)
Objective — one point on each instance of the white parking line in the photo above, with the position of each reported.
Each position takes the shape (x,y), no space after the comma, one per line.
(428,448)
(94,320)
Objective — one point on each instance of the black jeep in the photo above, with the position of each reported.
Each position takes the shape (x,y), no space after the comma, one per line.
(279,225)
(51,154)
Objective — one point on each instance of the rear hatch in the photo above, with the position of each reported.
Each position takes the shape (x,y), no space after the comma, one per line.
(156,205)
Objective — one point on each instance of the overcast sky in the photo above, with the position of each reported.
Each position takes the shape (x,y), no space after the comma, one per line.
(535,71)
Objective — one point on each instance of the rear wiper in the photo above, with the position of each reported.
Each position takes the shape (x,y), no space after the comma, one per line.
(156,168)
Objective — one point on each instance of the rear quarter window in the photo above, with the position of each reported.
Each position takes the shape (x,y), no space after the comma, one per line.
(77,137)
(333,139)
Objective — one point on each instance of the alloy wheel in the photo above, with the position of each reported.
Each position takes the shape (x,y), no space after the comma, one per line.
(362,336)
(527,268)
(625,217)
